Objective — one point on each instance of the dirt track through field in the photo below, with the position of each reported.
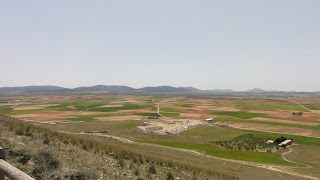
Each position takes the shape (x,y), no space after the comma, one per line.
(158,107)
(290,151)
(109,136)
(282,169)
(305,107)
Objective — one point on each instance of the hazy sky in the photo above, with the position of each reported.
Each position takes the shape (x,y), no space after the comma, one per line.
(239,44)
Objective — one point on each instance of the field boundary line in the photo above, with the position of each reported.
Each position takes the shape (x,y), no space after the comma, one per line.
(304,107)
(274,132)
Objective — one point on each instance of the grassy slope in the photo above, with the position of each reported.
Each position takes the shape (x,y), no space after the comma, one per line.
(306,155)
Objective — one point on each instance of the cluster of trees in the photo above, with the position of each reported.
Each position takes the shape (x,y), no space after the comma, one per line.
(246,142)
(279,140)
(298,113)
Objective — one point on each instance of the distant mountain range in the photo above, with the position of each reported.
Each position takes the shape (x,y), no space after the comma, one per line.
(31,89)
(104,88)
(127,88)
(163,89)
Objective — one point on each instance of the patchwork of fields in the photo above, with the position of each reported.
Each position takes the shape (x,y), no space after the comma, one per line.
(263,117)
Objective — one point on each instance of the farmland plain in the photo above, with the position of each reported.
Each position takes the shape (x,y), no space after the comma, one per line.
(261,115)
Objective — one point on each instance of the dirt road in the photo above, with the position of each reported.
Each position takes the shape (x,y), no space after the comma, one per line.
(304,107)
(282,169)
(290,151)
(158,107)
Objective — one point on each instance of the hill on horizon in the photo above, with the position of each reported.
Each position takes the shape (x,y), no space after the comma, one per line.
(165,88)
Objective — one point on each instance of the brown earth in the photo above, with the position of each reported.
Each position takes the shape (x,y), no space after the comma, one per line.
(198,116)
(307,116)
(34,107)
(111,105)
(55,115)
(202,107)
(135,111)
(39,117)
(190,115)
(225,109)
(285,121)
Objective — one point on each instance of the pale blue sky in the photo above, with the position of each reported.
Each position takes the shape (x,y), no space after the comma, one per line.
(270,44)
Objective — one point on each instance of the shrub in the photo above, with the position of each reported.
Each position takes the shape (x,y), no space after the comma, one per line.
(121,162)
(22,155)
(46,162)
(136,172)
(152,169)
(80,175)
(170,176)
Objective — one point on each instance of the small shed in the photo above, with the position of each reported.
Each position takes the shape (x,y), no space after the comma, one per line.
(286,143)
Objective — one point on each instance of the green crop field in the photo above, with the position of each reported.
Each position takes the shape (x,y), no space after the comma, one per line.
(312,107)
(126,106)
(30,111)
(242,115)
(185,105)
(213,133)
(259,157)
(168,109)
(292,107)
(80,105)
(5,109)
(92,117)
